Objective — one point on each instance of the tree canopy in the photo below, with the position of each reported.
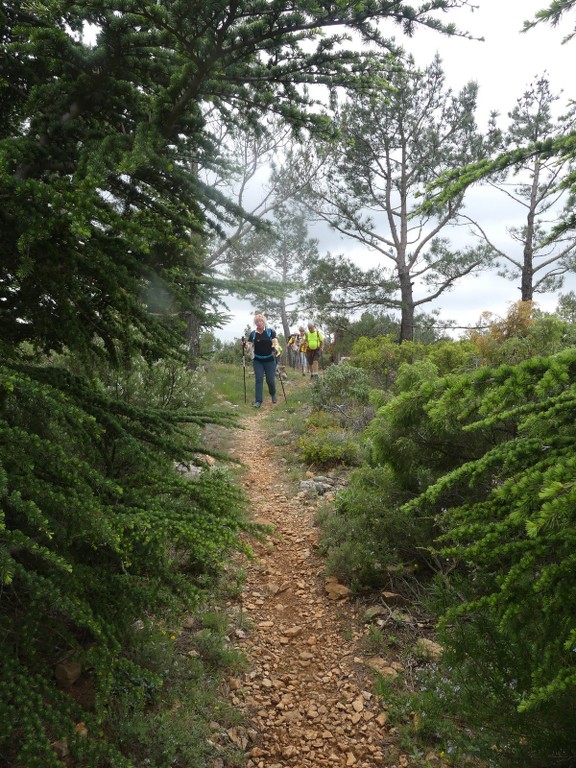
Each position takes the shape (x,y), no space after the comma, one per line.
(104,127)
(395,137)
(452,183)
(535,257)
(101,140)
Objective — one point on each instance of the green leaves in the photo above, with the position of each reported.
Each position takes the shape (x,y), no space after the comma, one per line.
(479,489)
(506,524)
(97,529)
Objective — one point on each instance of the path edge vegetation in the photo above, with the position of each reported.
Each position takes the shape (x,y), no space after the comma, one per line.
(463,503)
(459,498)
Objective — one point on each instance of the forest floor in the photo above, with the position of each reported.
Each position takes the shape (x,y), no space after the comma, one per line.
(307,695)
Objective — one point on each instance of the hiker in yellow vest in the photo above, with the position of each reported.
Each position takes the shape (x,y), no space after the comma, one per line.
(314,344)
(302,349)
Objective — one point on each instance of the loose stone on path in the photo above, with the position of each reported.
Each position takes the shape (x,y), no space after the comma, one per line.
(306,699)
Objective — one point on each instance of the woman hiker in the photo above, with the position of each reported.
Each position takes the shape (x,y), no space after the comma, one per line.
(264,345)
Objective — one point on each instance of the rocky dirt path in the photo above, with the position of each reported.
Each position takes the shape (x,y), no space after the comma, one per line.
(307,694)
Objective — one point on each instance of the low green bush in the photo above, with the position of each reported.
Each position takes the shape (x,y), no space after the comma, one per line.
(344,393)
(368,543)
(321,421)
(489,458)
(172,722)
(229,352)
(328,448)
(97,531)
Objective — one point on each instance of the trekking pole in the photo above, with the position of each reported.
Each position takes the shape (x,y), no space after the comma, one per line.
(244,365)
(281,383)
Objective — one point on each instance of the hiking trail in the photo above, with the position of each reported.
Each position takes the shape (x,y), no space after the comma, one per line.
(307,695)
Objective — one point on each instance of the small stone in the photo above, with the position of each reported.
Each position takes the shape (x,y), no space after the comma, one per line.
(427,650)
(374,611)
(336,591)
(391,597)
(382,667)
(293,631)
(67,672)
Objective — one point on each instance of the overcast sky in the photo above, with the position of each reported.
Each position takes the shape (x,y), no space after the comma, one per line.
(503,66)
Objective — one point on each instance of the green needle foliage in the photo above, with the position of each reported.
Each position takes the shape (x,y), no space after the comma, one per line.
(469,501)
(97,532)
(506,532)
(106,115)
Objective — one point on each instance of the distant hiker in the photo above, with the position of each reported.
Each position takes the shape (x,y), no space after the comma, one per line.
(297,349)
(302,349)
(277,351)
(292,349)
(263,343)
(314,344)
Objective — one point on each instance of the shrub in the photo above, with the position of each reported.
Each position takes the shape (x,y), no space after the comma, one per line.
(378,398)
(412,375)
(230,352)
(96,531)
(171,723)
(164,383)
(344,392)
(525,332)
(327,448)
(321,421)
(367,541)
(506,538)
(380,357)
(340,383)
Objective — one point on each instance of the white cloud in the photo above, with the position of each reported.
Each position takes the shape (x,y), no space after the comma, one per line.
(508,60)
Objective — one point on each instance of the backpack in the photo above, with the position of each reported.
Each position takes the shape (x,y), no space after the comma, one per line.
(252,336)
(252,339)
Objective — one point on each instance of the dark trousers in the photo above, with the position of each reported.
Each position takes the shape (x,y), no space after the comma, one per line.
(264,368)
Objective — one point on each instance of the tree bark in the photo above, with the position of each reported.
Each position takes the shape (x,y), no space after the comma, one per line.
(407,309)
(527,280)
(193,340)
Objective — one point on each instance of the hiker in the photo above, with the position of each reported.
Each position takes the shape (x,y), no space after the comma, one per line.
(302,350)
(264,345)
(276,351)
(293,349)
(296,350)
(314,344)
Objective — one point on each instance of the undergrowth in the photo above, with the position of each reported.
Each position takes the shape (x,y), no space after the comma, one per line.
(181,720)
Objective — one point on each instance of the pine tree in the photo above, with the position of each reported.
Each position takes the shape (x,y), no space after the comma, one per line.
(538,260)
(396,138)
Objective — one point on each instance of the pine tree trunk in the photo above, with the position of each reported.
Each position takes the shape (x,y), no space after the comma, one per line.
(284,319)
(407,310)
(527,281)
(193,340)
